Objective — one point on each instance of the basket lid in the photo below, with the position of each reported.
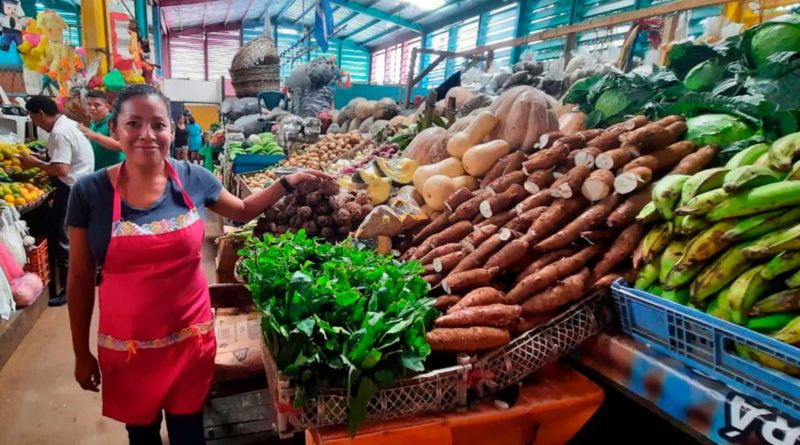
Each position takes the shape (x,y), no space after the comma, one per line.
(257,52)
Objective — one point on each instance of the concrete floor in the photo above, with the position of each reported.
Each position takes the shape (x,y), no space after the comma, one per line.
(40,402)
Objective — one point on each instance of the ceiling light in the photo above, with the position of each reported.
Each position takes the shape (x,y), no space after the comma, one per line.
(426,4)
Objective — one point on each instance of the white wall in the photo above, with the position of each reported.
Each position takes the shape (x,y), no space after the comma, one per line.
(195,91)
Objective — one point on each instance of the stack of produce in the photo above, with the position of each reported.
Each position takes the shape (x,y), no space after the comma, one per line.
(381,177)
(543,230)
(338,316)
(727,240)
(260,180)
(20,187)
(318,156)
(363,158)
(318,206)
(256,144)
(367,115)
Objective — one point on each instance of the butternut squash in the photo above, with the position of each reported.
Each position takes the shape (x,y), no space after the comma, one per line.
(481,125)
(450,167)
(480,158)
(439,187)
(524,113)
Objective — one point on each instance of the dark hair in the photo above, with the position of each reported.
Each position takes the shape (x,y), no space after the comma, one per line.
(191,120)
(97,94)
(36,104)
(136,90)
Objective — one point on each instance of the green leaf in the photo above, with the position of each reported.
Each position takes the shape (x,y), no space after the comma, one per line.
(306,326)
(347,298)
(412,362)
(358,404)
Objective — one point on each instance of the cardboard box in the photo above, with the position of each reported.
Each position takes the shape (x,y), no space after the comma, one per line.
(238,335)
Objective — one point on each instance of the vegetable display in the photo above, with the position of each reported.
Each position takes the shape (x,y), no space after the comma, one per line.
(318,156)
(256,144)
(338,316)
(726,240)
(20,187)
(319,207)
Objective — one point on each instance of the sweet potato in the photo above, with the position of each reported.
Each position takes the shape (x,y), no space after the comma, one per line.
(468,209)
(622,248)
(515,161)
(468,279)
(527,322)
(539,199)
(696,161)
(606,280)
(569,290)
(442,250)
(457,198)
(502,183)
(627,211)
(478,257)
(598,185)
(502,201)
(548,139)
(496,171)
(569,185)
(586,156)
(613,159)
(559,212)
(494,315)
(551,273)
(587,220)
(482,296)
(472,339)
(428,269)
(452,234)
(509,254)
(500,219)
(445,263)
(538,180)
(433,279)
(445,302)
(478,236)
(523,222)
(545,159)
(632,180)
(544,259)
(436,225)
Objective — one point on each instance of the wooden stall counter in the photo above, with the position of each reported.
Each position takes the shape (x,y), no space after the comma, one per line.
(553,405)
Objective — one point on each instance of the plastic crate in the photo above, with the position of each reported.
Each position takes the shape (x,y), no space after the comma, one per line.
(38,261)
(245,163)
(706,343)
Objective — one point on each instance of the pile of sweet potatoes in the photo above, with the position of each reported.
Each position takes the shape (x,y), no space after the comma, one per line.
(558,224)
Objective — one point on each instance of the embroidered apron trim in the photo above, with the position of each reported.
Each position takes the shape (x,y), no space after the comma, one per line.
(127,228)
(131,346)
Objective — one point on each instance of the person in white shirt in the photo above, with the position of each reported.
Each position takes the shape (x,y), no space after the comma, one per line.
(70,157)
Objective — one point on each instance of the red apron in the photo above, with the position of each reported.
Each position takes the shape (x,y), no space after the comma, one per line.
(156,342)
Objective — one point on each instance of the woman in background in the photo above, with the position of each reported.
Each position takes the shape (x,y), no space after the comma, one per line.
(195,140)
(181,139)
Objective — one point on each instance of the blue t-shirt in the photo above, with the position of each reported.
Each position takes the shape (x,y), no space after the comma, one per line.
(92,199)
(195,136)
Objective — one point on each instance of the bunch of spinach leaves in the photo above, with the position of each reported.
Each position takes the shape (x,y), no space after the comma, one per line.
(338,316)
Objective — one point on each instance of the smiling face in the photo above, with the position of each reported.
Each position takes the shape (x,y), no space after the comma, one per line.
(142,127)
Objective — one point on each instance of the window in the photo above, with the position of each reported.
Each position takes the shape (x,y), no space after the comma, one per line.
(500,25)
(390,66)
(466,39)
(222,47)
(378,73)
(187,58)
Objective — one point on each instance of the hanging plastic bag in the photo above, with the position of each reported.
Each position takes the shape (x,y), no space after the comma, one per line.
(10,235)
(7,305)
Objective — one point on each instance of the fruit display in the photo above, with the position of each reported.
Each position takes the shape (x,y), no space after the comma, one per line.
(319,207)
(256,144)
(18,186)
(726,240)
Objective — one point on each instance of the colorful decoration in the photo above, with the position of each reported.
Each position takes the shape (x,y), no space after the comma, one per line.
(43,50)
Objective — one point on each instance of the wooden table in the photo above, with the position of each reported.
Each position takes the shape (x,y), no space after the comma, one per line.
(553,405)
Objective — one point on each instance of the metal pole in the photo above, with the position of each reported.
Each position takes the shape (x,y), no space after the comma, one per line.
(157,38)
(140,8)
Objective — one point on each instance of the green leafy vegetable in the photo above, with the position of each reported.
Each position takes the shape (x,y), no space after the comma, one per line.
(717,129)
(779,34)
(338,316)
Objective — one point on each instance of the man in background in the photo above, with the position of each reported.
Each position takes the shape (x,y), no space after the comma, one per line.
(69,157)
(106,150)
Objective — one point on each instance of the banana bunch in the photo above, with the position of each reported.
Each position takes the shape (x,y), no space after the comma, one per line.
(726,240)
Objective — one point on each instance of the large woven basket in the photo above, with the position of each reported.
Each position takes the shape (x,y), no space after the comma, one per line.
(256,67)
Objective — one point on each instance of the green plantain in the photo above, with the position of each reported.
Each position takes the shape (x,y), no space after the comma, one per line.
(784,301)
(666,194)
(745,292)
(648,214)
(748,156)
(783,152)
(703,203)
(748,177)
(780,264)
(690,224)
(705,245)
(771,322)
(724,269)
(701,182)
(775,243)
(656,240)
(648,275)
(761,199)
(758,225)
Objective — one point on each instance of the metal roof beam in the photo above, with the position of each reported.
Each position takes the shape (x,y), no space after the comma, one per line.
(168,3)
(284,8)
(304,13)
(381,35)
(378,14)
(376,21)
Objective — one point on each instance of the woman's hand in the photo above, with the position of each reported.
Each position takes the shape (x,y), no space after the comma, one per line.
(309,175)
(87,372)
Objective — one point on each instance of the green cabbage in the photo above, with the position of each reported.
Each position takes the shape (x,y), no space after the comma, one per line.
(611,102)
(780,34)
(717,129)
(704,76)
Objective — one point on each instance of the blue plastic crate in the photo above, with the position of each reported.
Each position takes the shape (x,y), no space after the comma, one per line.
(245,163)
(706,343)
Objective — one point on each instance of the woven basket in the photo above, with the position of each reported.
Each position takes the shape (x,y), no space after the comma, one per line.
(256,67)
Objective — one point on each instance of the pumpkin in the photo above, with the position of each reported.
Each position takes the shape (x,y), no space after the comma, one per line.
(429,146)
(439,187)
(397,121)
(365,109)
(524,113)
(461,94)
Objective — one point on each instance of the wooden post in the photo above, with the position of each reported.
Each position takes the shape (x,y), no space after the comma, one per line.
(410,81)
(667,36)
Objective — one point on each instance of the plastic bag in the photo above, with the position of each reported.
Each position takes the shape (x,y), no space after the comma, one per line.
(401,212)
(233,108)
(9,264)
(11,235)
(7,305)
(309,102)
(251,124)
(26,289)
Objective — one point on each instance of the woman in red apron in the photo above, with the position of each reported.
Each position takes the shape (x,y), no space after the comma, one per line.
(156,343)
